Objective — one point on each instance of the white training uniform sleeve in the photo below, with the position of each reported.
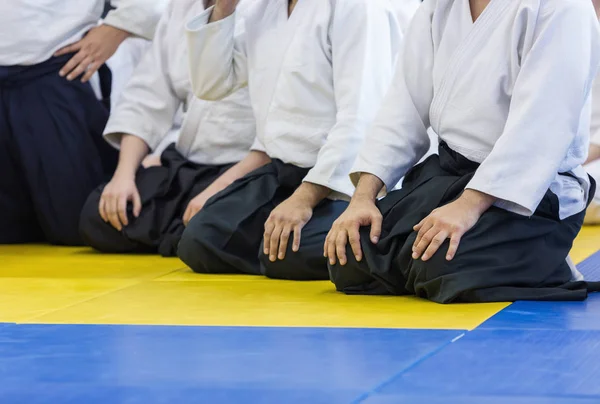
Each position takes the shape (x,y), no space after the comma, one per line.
(545,111)
(139,17)
(398,137)
(363,67)
(148,104)
(595,127)
(217,56)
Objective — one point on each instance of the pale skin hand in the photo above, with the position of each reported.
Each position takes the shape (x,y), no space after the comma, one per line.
(196,205)
(151,161)
(450,221)
(113,203)
(361,212)
(95,48)
(251,162)
(290,217)
(122,189)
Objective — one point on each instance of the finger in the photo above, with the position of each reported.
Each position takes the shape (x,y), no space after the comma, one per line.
(70,65)
(435,244)
(269,227)
(81,67)
(102,209)
(331,247)
(113,217)
(90,70)
(297,238)
(354,238)
(137,204)
(340,246)
(186,215)
(274,243)
(283,241)
(454,243)
(193,211)
(326,244)
(424,241)
(68,49)
(123,210)
(425,227)
(376,228)
(418,226)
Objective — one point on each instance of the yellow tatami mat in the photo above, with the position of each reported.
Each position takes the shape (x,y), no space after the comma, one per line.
(43,284)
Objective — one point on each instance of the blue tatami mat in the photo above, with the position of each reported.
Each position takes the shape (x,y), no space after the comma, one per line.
(534,366)
(396,399)
(549,316)
(139,364)
(554,315)
(590,268)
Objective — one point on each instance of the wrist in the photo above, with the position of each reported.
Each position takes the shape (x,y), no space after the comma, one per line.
(477,200)
(368,188)
(118,33)
(362,197)
(124,172)
(311,194)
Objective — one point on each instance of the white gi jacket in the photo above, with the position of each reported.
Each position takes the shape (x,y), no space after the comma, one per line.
(510,91)
(211,133)
(316,79)
(34,29)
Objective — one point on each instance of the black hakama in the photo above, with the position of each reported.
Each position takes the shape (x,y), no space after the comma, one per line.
(504,257)
(226,236)
(52,154)
(165,192)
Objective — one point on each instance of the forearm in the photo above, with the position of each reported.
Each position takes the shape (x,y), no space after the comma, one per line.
(216,54)
(133,151)
(251,162)
(136,17)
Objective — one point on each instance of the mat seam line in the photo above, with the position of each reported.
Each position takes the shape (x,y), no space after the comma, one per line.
(395,376)
(28,320)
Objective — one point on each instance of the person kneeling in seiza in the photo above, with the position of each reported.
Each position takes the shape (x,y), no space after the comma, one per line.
(317,72)
(494,216)
(51,119)
(145,209)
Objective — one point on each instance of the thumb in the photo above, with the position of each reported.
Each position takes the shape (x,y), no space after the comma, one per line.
(137,204)
(376,221)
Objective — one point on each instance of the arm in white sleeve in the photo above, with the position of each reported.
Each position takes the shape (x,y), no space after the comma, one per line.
(258,146)
(138,17)
(595,127)
(217,55)
(546,107)
(363,67)
(148,104)
(398,137)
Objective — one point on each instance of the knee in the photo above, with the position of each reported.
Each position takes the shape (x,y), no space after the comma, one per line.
(354,278)
(351,280)
(89,218)
(303,265)
(96,233)
(436,279)
(196,245)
